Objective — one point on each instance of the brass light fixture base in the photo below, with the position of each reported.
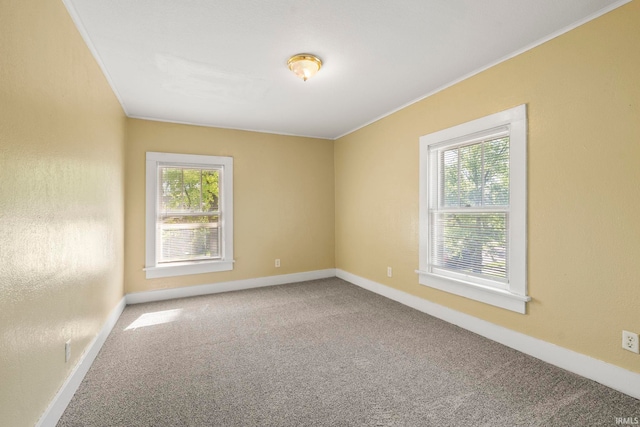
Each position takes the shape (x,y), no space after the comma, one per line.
(304,65)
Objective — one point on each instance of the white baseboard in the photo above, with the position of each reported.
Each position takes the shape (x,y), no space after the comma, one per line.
(235,285)
(602,372)
(59,403)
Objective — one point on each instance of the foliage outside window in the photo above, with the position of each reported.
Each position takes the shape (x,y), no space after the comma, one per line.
(473,209)
(189,214)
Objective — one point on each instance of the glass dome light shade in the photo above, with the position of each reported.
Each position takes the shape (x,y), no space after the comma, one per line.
(304,65)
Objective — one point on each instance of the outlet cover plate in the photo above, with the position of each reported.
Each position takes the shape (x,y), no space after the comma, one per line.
(630,341)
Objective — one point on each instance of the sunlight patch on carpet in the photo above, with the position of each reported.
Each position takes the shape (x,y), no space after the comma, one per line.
(155,318)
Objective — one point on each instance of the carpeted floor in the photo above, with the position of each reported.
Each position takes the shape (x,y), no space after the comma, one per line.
(322,353)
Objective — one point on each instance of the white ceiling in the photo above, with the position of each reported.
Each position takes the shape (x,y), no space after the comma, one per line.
(223,62)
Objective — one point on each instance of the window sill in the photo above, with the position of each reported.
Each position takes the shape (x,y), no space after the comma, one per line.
(497,297)
(184,269)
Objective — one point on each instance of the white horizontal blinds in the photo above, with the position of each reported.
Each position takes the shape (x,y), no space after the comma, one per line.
(469,220)
(471,243)
(189,216)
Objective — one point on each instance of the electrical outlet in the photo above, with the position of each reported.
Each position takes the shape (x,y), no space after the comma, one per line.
(630,341)
(389,272)
(277,262)
(67,351)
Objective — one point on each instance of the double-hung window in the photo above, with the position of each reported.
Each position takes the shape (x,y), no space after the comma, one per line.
(189,214)
(473,209)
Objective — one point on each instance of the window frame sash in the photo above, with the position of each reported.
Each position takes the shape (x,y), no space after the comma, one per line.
(437,203)
(514,297)
(159,214)
(153,267)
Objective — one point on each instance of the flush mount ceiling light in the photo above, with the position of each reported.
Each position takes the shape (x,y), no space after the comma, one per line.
(304,65)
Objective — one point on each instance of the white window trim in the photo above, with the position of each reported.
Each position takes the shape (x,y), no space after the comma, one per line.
(514,297)
(225,263)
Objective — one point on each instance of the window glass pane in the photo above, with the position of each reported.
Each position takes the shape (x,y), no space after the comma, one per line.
(189,190)
(187,238)
(473,243)
(449,170)
(470,175)
(186,232)
(191,180)
(476,175)
(170,190)
(496,172)
(210,190)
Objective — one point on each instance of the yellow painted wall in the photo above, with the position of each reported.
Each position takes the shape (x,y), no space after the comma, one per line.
(61,203)
(583,94)
(283,200)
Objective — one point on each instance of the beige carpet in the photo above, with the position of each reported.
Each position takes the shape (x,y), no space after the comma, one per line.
(322,353)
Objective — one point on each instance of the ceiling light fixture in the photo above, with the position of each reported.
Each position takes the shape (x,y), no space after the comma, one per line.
(304,65)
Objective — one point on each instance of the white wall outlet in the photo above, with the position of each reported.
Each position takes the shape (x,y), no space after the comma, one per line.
(630,341)
(67,351)
(277,262)
(389,271)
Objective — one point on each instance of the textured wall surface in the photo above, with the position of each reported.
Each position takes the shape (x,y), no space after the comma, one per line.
(583,100)
(61,203)
(283,200)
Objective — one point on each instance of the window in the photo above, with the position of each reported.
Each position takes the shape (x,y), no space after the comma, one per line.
(189,214)
(473,209)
